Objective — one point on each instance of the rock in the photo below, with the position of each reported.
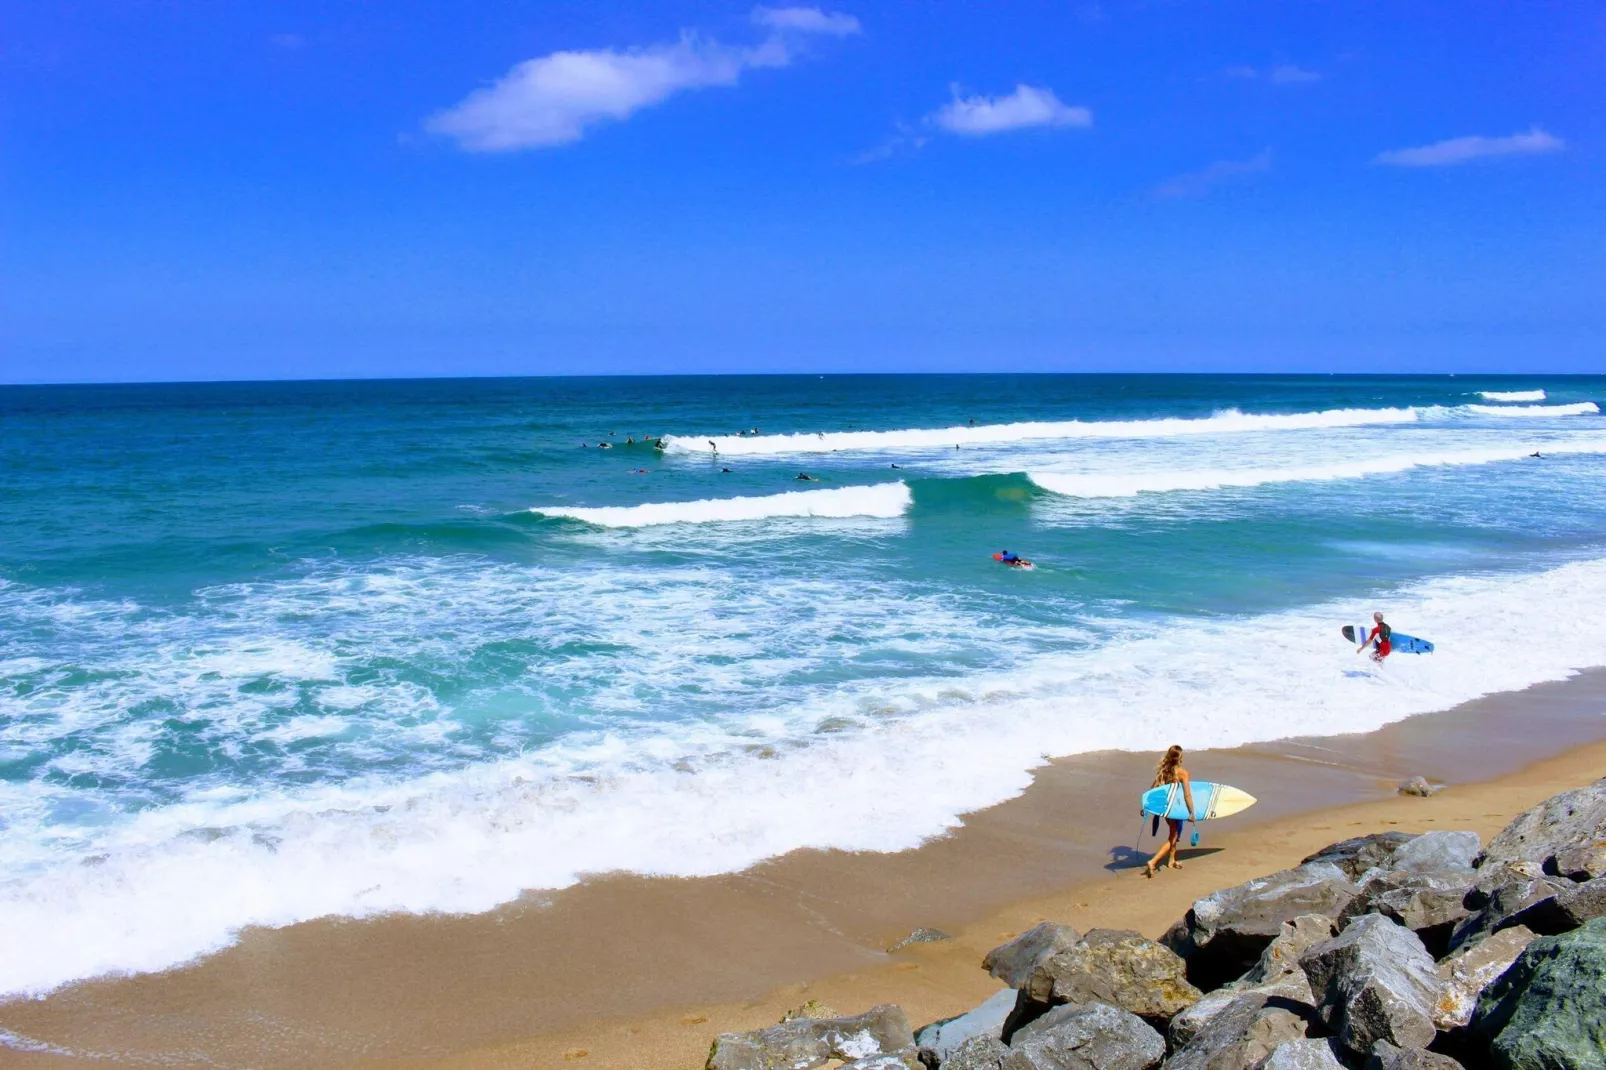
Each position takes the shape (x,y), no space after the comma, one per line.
(1225,933)
(1465,974)
(1493,876)
(1549,1009)
(908,1059)
(1429,903)
(921,935)
(1503,902)
(1374,981)
(1014,962)
(809,1009)
(1438,850)
(1386,1056)
(1117,967)
(1578,863)
(986,1020)
(1574,818)
(1308,1054)
(805,1043)
(1362,853)
(977,1053)
(1281,957)
(1085,1036)
(1562,912)
(1245,1032)
(1417,785)
(1187,1024)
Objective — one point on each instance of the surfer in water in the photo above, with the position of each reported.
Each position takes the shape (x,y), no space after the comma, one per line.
(1381,640)
(1170,771)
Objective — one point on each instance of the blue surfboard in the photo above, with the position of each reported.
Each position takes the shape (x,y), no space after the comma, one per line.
(1209,800)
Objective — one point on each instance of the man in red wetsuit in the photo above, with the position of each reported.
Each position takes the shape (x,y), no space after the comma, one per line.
(1380,640)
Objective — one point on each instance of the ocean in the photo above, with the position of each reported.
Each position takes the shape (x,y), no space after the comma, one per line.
(279,651)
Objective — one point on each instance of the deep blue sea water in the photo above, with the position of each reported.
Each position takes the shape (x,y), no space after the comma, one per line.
(356,647)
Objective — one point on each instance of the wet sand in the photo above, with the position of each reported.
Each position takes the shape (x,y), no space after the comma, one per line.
(642,972)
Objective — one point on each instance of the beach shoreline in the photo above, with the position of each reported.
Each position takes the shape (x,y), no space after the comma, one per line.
(643,972)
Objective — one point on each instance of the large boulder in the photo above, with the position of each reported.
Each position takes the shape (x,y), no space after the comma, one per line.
(1085,1036)
(1578,863)
(977,1053)
(1428,902)
(1564,911)
(1281,957)
(1386,1056)
(806,1043)
(1549,1009)
(1118,967)
(1438,850)
(1464,974)
(1494,902)
(1308,1054)
(1357,856)
(1289,990)
(1574,818)
(986,1020)
(1245,1032)
(1013,963)
(1374,981)
(1224,933)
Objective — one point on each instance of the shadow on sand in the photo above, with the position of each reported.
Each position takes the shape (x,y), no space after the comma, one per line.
(1125,856)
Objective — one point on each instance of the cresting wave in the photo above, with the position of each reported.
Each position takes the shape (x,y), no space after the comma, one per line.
(883,500)
(1581,408)
(1512,395)
(1227,421)
(901,766)
(1130,484)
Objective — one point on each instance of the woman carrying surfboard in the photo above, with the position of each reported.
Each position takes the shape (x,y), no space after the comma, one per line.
(1170,771)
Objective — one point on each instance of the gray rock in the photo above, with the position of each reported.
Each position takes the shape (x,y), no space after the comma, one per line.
(1356,856)
(1014,962)
(1438,850)
(1189,1023)
(805,1043)
(1465,974)
(1493,876)
(1578,863)
(1245,1032)
(1308,1054)
(1429,903)
(1085,1036)
(1562,912)
(921,935)
(1386,1056)
(987,1020)
(1574,818)
(1281,957)
(908,1059)
(1225,933)
(1118,967)
(1548,1010)
(977,1053)
(1418,785)
(1374,981)
(1503,902)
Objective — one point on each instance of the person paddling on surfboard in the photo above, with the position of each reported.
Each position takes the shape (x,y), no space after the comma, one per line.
(1381,639)
(1170,771)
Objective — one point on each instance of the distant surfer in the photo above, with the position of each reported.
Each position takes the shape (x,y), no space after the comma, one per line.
(1535,453)
(1170,771)
(724,469)
(805,477)
(897,466)
(1013,560)
(713,445)
(1381,640)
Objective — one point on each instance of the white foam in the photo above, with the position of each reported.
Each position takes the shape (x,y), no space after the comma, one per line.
(715,795)
(1581,408)
(1227,421)
(882,500)
(1512,395)
(1129,482)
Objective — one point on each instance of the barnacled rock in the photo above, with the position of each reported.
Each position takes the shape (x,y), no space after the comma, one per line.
(1386,1056)
(1438,850)
(1308,1054)
(987,1020)
(977,1053)
(1417,785)
(1564,911)
(1356,856)
(1578,863)
(1549,1009)
(1245,1032)
(805,1043)
(1374,981)
(1574,818)
(1466,973)
(1429,903)
(922,935)
(1224,933)
(1118,967)
(811,1008)
(1014,962)
(1085,1036)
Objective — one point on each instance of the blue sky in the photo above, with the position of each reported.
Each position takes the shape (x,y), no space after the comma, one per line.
(298,189)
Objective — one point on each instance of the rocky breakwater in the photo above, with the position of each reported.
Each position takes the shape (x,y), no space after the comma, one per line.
(1385,952)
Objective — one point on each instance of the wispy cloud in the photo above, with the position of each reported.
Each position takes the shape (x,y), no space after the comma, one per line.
(978,116)
(806,20)
(554,99)
(1196,183)
(905,142)
(1462,149)
(1283,74)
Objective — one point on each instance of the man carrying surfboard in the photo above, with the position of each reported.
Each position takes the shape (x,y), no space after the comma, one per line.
(1381,639)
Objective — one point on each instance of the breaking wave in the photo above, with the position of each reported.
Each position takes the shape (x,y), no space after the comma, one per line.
(1581,408)
(1512,395)
(882,500)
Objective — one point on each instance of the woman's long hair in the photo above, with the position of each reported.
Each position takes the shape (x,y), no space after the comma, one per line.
(1166,771)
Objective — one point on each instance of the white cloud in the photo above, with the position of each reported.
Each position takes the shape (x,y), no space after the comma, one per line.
(806,20)
(1461,149)
(1196,183)
(979,115)
(1288,74)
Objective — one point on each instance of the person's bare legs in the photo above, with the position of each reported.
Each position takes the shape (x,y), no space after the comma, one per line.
(1173,833)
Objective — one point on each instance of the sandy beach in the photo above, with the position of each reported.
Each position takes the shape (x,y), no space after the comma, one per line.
(642,973)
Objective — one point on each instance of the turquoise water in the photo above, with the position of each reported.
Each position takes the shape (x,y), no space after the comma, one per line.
(347,648)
